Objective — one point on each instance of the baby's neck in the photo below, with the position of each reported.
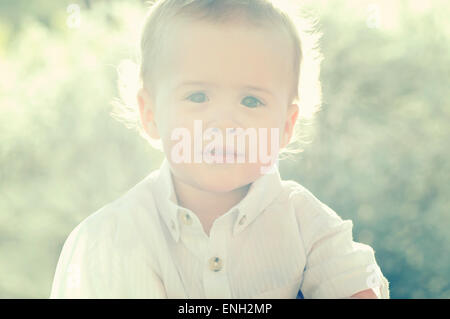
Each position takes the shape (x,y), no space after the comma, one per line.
(208,206)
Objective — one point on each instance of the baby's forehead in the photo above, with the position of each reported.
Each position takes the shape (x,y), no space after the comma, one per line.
(185,27)
(225,49)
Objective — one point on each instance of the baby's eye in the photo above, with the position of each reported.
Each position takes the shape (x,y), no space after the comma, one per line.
(198,97)
(251,102)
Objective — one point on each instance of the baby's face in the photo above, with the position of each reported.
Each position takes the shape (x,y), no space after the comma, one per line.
(225,76)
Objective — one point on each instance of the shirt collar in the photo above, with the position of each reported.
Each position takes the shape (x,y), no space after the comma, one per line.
(166,199)
(260,194)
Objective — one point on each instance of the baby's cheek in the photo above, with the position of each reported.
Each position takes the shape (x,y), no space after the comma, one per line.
(272,139)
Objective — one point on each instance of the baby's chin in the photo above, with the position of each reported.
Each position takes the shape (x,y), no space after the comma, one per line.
(222,178)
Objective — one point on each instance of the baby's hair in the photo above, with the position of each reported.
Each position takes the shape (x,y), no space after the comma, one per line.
(285,14)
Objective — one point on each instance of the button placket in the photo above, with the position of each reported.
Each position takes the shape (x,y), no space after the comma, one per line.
(215,277)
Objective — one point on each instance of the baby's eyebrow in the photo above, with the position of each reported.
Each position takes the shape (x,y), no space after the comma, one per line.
(192,83)
(259,89)
(244,87)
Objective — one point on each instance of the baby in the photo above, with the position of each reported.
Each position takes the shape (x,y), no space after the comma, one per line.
(216,220)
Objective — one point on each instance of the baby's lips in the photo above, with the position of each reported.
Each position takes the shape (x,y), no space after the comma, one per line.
(231,150)
(226,151)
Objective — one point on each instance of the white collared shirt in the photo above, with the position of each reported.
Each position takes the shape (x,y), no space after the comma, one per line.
(278,240)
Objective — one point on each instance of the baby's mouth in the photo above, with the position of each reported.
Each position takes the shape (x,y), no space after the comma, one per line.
(230,153)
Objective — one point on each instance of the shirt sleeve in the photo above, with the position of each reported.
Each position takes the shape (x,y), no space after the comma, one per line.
(73,277)
(336,266)
(89,268)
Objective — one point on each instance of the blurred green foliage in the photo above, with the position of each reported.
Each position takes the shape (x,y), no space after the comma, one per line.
(377,156)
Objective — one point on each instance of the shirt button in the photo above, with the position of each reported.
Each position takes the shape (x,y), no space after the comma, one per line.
(243,220)
(215,263)
(187,219)
(172,224)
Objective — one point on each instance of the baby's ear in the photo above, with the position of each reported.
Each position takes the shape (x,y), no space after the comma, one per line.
(146,111)
(291,119)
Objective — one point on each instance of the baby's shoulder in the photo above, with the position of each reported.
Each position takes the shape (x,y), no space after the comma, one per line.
(297,194)
(315,219)
(122,220)
(305,203)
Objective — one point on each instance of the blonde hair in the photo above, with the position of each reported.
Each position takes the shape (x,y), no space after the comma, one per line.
(286,14)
